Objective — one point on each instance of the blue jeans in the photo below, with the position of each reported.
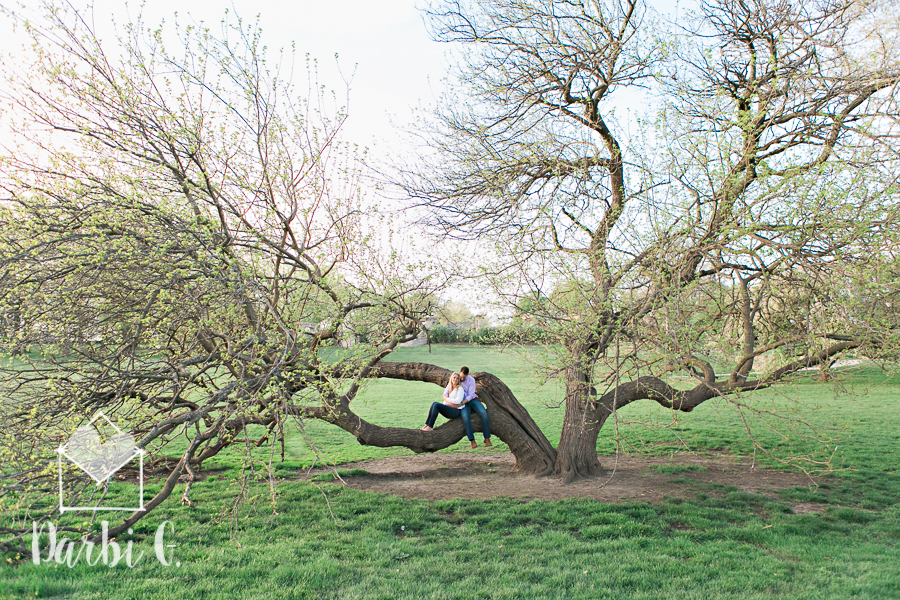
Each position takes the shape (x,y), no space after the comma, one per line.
(464,413)
(476,406)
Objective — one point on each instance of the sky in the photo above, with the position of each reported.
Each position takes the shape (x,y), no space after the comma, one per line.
(383,49)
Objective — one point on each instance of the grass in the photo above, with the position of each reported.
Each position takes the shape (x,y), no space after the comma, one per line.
(853,416)
(737,546)
(722,543)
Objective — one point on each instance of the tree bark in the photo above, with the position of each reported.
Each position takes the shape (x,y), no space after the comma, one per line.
(576,456)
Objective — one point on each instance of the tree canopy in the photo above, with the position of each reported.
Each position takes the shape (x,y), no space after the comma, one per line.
(185,246)
(747,221)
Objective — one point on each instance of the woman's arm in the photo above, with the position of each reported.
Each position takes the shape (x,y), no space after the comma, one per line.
(455,399)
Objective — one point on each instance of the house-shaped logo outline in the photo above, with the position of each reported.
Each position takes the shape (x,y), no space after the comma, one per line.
(134,452)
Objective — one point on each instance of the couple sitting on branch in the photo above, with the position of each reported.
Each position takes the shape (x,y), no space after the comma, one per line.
(459,401)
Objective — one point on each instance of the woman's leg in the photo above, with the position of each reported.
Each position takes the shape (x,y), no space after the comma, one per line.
(432,414)
(449,412)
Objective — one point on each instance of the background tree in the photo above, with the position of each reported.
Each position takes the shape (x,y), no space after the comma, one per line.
(453,311)
(727,235)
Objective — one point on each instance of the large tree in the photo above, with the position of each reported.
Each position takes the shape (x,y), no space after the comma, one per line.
(184,243)
(754,227)
(185,246)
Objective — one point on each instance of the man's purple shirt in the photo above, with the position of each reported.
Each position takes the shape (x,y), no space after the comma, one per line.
(468,386)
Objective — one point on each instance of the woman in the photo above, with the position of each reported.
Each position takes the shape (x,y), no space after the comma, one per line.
(452,408)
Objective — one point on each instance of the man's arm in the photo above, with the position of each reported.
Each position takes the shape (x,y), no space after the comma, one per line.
(469,388)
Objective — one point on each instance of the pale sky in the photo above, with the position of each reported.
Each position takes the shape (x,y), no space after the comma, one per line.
(382,44)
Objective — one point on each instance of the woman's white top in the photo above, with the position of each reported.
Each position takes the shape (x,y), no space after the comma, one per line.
(456,397)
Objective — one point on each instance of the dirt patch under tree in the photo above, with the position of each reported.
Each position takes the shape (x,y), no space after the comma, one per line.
(473,475)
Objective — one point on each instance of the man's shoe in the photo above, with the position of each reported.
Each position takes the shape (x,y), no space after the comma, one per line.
(487,442)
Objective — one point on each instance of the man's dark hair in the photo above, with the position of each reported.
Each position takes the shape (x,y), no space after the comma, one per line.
(464,370)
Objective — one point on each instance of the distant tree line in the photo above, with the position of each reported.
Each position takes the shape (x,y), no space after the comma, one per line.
(488,335)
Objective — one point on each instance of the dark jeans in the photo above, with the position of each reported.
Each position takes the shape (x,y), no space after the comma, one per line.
(464,413)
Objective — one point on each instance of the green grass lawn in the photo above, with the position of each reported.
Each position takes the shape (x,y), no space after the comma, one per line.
(722,543)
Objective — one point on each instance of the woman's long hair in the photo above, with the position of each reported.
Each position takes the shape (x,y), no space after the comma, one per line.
(455,378)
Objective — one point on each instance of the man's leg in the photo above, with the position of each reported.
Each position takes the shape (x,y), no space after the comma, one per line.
(479,409)
(465,413)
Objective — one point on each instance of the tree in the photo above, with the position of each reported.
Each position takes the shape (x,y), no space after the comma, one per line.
(727,236)
(184,241)
(453,311)
(185,245)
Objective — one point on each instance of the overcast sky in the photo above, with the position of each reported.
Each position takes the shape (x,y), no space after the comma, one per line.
(382,44)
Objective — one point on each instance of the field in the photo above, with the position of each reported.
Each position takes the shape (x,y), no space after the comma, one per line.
(715,541)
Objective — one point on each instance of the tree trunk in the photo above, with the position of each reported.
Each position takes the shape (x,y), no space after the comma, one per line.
(533,451)
(576,456)
(510,421)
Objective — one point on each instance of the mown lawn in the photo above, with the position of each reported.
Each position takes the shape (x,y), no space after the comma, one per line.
(722,543)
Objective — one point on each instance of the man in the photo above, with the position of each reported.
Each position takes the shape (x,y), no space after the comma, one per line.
(471,402)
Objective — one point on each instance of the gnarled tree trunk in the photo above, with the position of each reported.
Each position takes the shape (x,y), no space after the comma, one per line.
(576,456)
(510,420)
